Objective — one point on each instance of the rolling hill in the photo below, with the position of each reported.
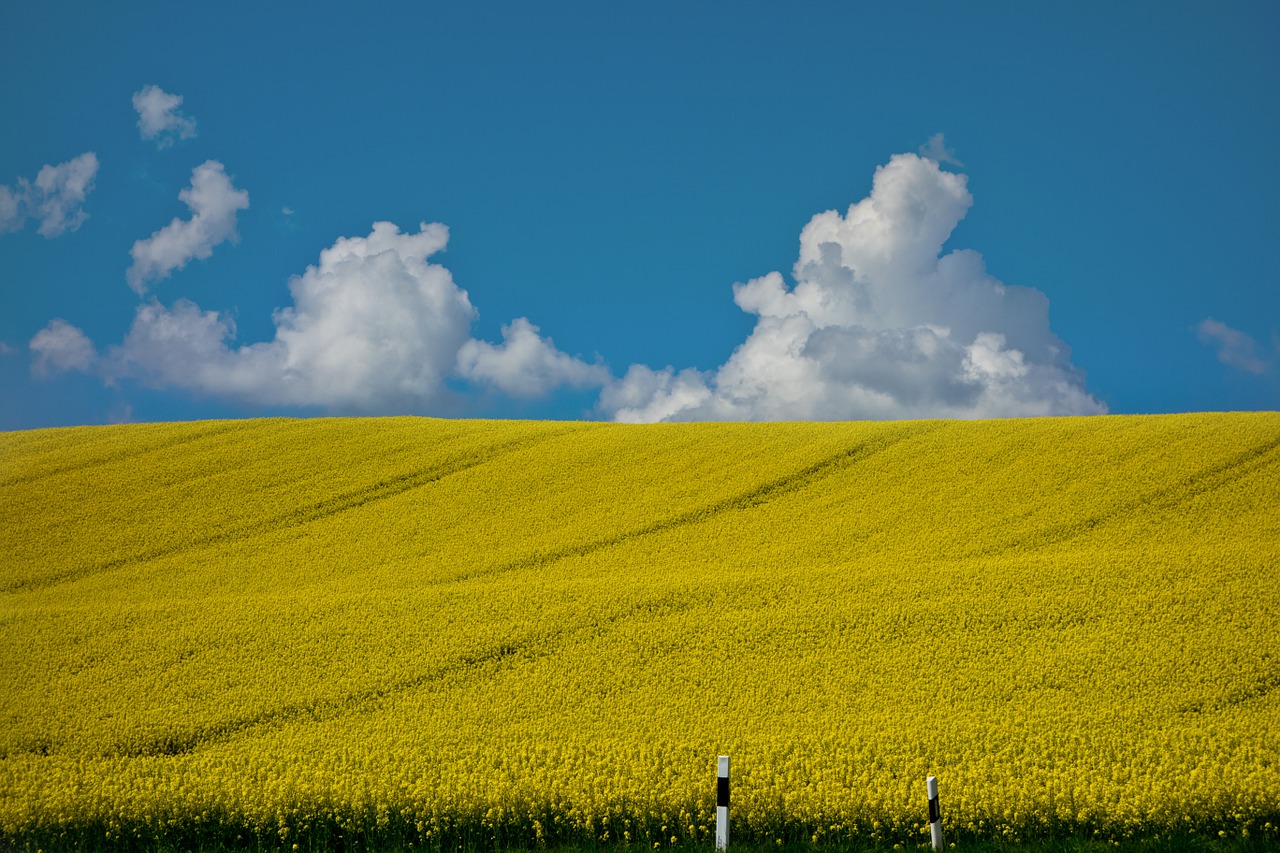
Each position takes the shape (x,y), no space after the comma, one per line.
(486,632)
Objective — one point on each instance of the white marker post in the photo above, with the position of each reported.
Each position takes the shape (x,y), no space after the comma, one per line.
(935,815)
(722,804)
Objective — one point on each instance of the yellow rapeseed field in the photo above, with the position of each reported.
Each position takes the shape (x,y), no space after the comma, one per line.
(486,632)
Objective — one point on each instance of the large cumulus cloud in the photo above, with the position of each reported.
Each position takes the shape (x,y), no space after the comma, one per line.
(374,326)
(879,324)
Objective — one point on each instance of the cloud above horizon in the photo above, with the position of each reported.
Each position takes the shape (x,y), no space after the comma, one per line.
(56,197)
(213,202)
(880,324)
(1234,348)
(374,327)
(526,364)
(159,118)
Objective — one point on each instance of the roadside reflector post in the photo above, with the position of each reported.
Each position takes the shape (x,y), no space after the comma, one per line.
(722,804)
(935,815)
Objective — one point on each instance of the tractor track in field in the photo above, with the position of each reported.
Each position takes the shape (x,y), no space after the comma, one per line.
(750,499)
(302,515)
(1201,482)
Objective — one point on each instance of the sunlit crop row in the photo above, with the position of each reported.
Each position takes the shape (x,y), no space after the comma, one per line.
(469,631)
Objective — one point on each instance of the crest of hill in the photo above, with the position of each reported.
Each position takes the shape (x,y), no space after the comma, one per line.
(480,496)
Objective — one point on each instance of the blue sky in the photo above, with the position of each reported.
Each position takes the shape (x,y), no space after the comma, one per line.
(637,211)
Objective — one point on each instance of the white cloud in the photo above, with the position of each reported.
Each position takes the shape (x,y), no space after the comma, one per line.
(59,193)
(644,395)
(60,346)
(159,117)
(878,325)
(1235,348)
(374,327)
(56,198)
(526,364)
(11,215)
(213,202)
(936,149)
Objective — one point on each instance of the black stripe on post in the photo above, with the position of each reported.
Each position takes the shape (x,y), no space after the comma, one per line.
(935,813)
(722,804)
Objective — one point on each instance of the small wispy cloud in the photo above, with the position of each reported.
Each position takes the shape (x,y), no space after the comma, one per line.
(60,347)
(1234,347)
(213,202)
(55,198)
(936,150)
(159,117)
(11,214)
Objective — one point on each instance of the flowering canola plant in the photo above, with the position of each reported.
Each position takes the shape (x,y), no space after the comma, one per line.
(520,632)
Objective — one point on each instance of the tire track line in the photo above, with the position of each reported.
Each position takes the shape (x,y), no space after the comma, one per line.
(131,453)
(316,511)
(1166,497)
(758,496)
